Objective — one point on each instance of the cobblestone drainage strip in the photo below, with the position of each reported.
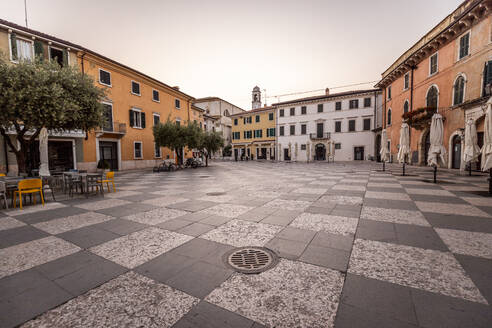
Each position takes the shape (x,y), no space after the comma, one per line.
(250,259)
(216,193)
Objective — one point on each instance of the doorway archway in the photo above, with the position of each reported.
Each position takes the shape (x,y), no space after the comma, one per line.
(320,152)
(456,152)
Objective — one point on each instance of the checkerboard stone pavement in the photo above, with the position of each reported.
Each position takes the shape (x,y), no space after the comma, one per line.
(358,248)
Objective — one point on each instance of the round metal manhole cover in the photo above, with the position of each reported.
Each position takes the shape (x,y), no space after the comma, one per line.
(251,259)
(216,193)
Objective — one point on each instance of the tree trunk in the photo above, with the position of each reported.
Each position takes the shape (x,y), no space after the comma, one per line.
(21,160)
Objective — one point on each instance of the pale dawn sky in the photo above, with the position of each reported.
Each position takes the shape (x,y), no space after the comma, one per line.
(224,48)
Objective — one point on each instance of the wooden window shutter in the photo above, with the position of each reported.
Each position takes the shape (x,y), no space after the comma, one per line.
(13,45)
(38,49)
(142,117)
(65,57)
(132,118)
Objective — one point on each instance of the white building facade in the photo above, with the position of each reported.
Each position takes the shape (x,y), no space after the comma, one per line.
(219,110)
(332,127)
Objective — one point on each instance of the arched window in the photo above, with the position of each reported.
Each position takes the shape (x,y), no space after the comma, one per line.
(459,90)
(226,113)
(432,97)
(388,121)
(405,107)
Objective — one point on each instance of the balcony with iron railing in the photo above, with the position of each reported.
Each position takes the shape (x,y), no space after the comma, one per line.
(320,136)
(116,129)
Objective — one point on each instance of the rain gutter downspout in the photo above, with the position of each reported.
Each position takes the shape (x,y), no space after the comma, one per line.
(411,108)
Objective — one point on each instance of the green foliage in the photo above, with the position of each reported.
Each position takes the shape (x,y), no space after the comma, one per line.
(13,45)
(103,164)
(38,49)
(227,151)
(41,94)
(176,137)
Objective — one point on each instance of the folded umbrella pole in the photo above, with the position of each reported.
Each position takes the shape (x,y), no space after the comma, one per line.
(487,143)
(384,152)
(437,152)
(404,150)
(472,151)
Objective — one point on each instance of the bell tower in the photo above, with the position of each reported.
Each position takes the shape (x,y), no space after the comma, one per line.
(256,98)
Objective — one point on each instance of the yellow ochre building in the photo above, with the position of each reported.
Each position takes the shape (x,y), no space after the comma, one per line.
(253,134)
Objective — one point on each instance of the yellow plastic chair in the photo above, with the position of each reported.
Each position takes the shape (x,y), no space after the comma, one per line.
(109,178)
(28,186)
(2,174)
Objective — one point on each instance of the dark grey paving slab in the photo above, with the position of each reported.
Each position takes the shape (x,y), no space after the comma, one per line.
(47,215)
(327,257)
(199,279)
(215,220)
(353,317)
(285,248)
(20,235)
(127,209)
(296,234)
(196,216)
(141,197)
(80,272)
(419,236)
(458,222)
(120,227)
(206,315)
(196,229)
(319,210)
(390,300)
(27,294)
(480,271)
(439,311)
(204,250)
(438,199)
(88,236)
(165,266)
(331,240)
(192,205)
(278,220)
(174,224)
(388,203)
(376,230)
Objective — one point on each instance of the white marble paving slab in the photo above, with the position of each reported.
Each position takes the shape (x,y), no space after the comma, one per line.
(384,185)
(164,201)
(156,216)
(425,269)
(340,199)
(228,210)
(10,223)
(102,204)
(328,223)
(218,199)
(35,208)
(430,192)
(292,294)
(292,205)
(393,215)
(121,194)
(349,187)
(139,247)
(132,187)
(68,223)
(240,233)
(387,195)
(28,255)
(130,300)
(479,201)
(447,208)
(312,191)
(467,242)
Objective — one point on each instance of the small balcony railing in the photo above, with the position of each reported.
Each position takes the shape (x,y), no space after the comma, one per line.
(115,128)
(319,136)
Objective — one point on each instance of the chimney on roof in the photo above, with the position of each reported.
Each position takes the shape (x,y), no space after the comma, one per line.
(327,91)
(176,88)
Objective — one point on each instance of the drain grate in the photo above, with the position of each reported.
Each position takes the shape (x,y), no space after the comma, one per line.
(251,259)
(216,193)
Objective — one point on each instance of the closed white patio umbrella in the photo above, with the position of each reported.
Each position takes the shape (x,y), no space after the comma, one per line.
(384,152)
(296,151)
(44,169)
(437,152)
(472,151)
(487,143)
(308,151)
(404,150)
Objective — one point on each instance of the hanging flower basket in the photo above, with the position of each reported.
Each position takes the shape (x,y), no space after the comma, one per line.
(419,118)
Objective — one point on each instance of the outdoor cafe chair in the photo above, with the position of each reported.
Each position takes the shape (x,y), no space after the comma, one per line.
(109,178)
(2,174)
(72,182)
(94,180)
(3,193)
(29,186)
(48,186)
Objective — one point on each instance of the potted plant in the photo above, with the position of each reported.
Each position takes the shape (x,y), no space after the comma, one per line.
(103,165)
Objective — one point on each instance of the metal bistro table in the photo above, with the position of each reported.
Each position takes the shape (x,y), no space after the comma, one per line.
(88,180)
(11,185)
